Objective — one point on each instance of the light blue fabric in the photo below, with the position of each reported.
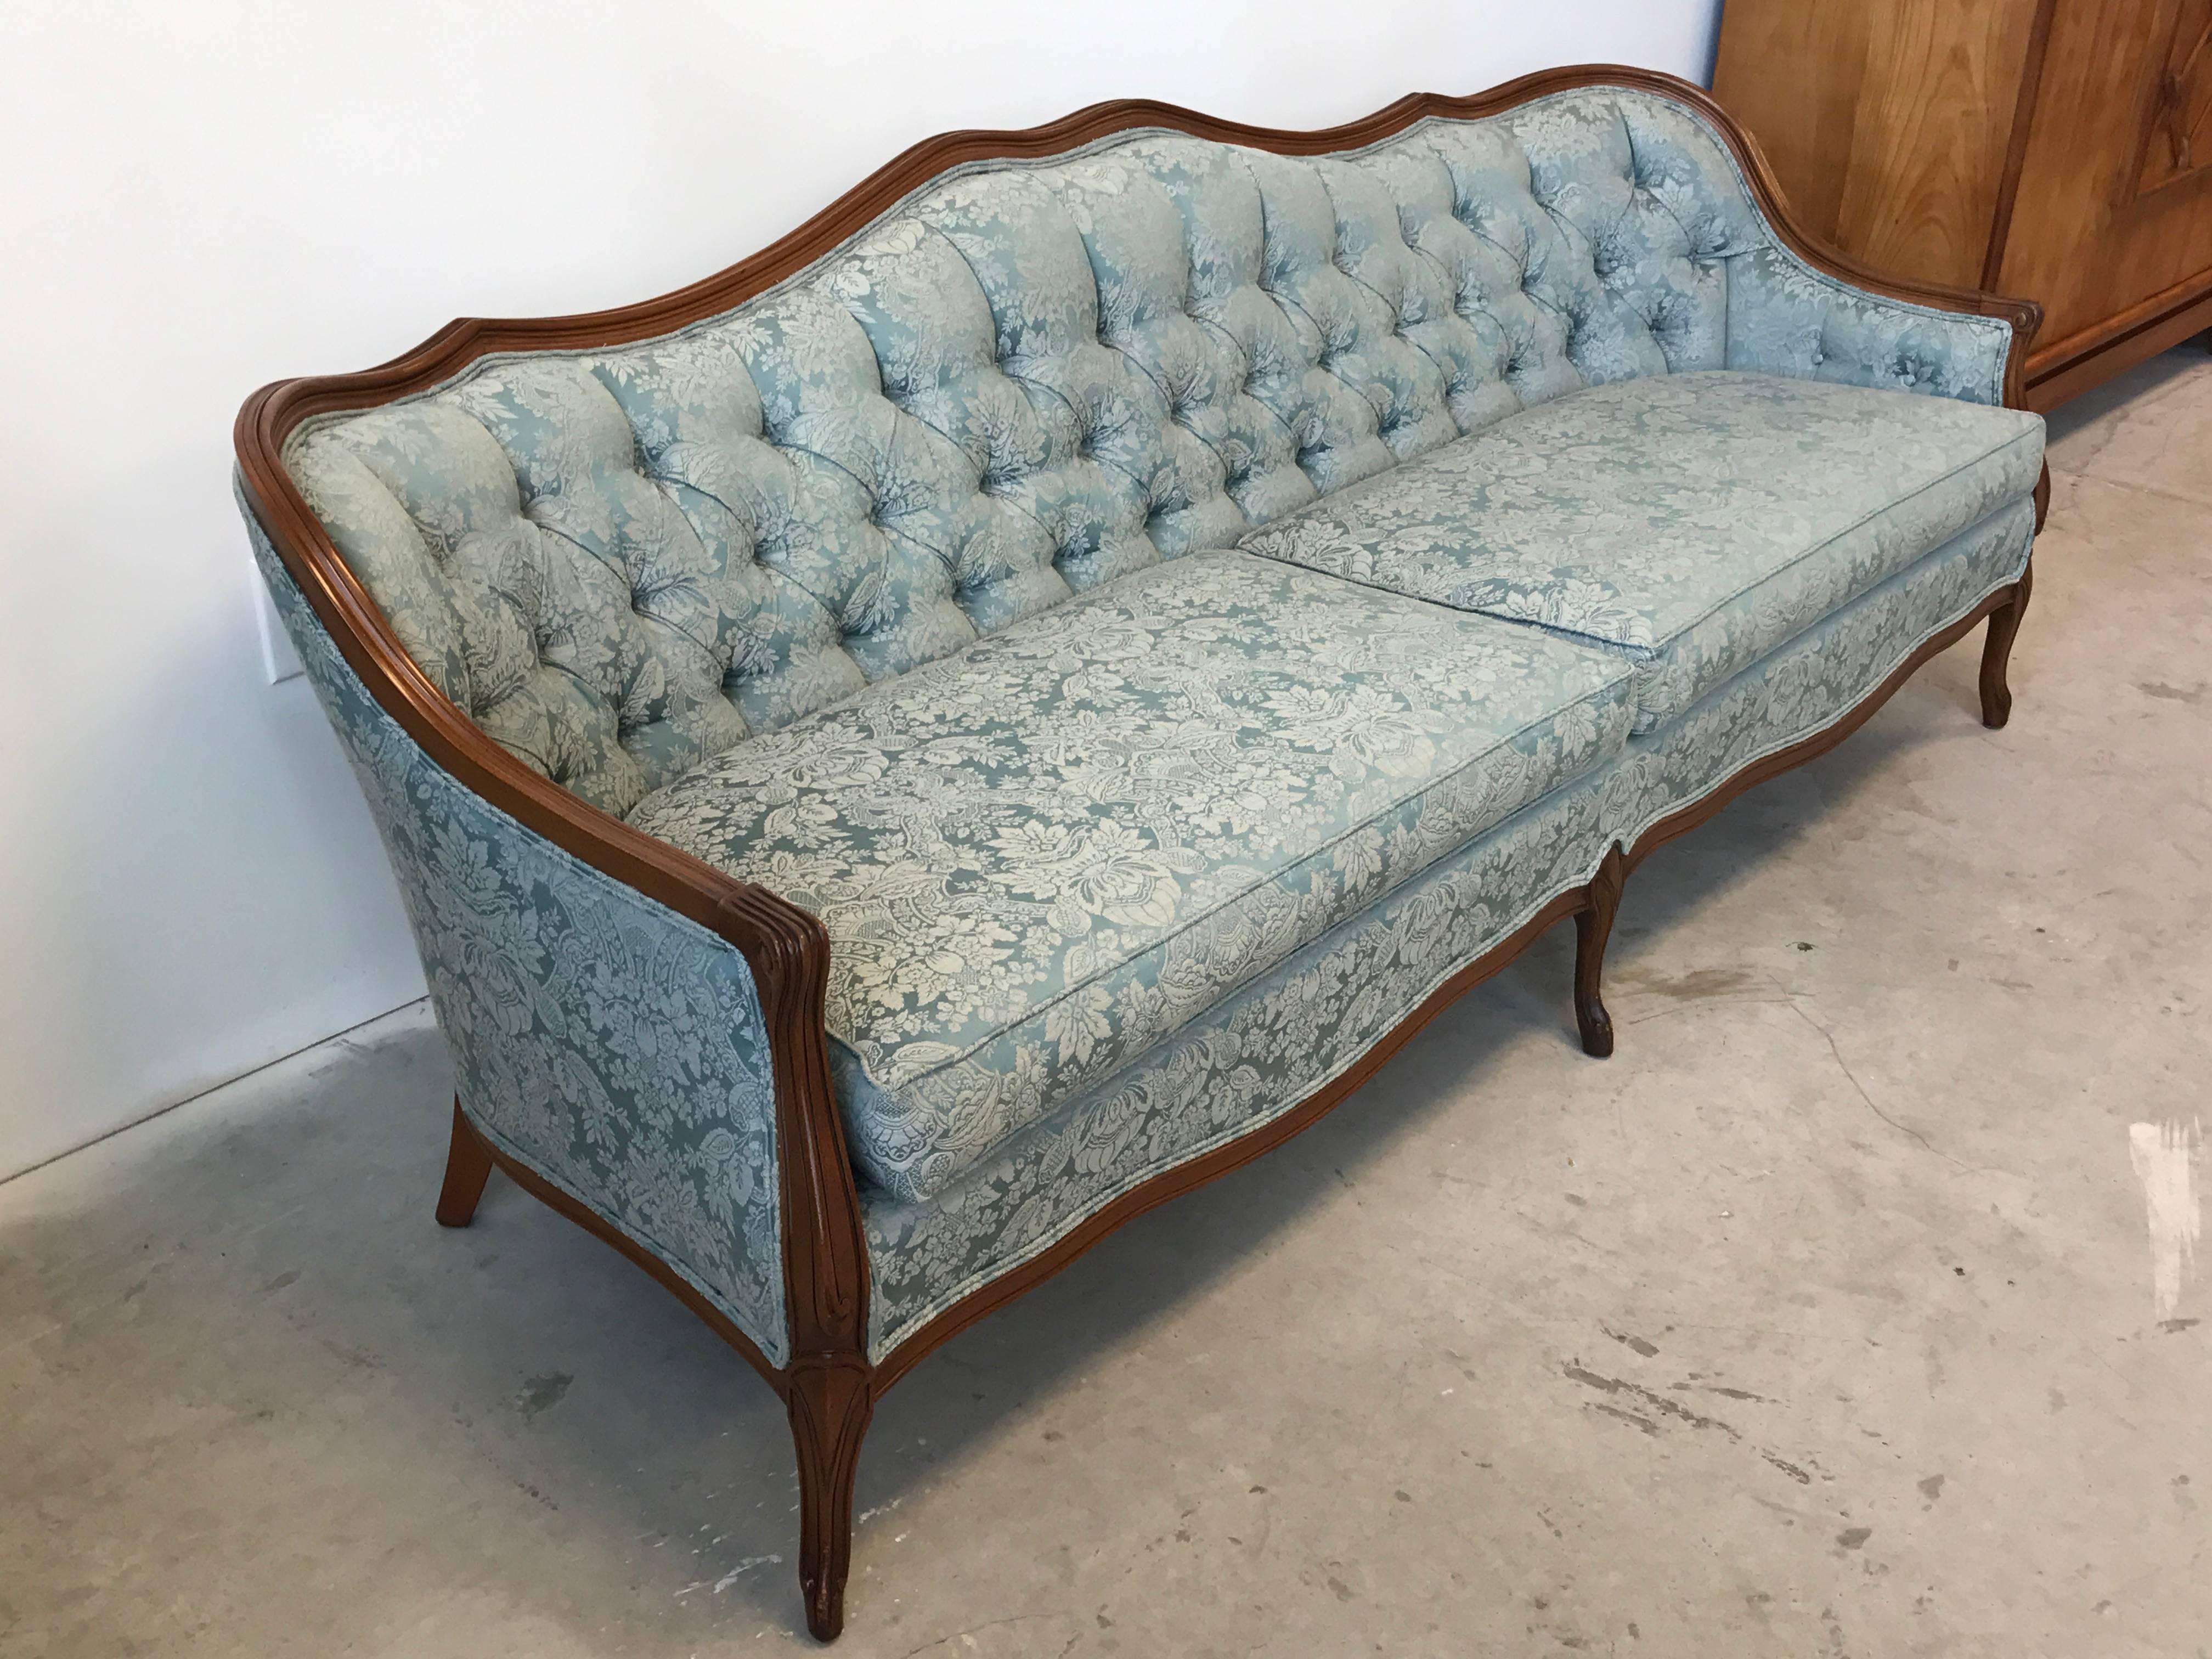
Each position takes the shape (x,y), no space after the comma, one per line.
(681,572)
(1817,676)
(1786,317)
(1030,377)
(1037,859)
(1264,1048)
(602,1040)
(1693,522)
(1250,1058)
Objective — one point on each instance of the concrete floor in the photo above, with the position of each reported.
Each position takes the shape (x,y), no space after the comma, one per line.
(1821,1319)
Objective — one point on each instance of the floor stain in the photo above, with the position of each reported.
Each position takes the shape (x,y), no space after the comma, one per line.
(542,1393)
(1640,1345)
(1657,1402)
(1698,983)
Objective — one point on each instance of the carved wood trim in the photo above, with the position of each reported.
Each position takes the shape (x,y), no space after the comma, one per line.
(1592,928)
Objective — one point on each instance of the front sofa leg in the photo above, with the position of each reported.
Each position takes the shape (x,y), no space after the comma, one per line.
(468,1166)
(1593,927)
(1997,651)
(830,1405)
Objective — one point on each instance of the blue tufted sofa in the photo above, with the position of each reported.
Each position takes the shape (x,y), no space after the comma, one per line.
(1011,702)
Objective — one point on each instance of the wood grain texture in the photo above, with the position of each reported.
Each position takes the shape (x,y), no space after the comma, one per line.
(828,1384)
(2108,260)
(1891,118)
(2178,132)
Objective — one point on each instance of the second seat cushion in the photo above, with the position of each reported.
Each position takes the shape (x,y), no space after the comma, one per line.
(1693,523)
(1036,858)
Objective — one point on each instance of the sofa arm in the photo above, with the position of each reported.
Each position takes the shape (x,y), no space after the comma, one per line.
(1799,308)
(1788,316)
(616,1048)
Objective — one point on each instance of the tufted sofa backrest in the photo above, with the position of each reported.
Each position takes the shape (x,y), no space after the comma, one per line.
(1024,380)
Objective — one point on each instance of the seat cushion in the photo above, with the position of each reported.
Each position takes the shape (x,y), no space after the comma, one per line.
(1039,856)
(1690,522)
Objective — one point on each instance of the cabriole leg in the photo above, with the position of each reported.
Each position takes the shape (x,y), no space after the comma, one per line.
(468,1166)
(1593,927)
(830,1406)
(1997,653)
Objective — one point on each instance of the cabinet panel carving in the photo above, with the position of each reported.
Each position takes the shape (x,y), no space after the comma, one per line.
(2177,141)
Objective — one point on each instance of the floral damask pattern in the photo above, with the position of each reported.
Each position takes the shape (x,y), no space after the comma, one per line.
(1037,859)
(1802,687)
(607,1042)
(1029,377)
(1123,862)
(1693,522)
(1258,1053)
(1246,1059)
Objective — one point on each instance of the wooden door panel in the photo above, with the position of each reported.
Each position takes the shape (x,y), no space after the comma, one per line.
(2177,136)
(2086,239)
(1901,156)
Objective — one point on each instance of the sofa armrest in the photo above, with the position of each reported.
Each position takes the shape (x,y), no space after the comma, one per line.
(1800,308)
(1787,315)
(626,1052)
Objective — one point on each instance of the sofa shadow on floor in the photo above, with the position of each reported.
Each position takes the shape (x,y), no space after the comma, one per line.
(280,1303)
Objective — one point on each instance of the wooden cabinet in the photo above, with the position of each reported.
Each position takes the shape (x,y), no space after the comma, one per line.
(2060,150)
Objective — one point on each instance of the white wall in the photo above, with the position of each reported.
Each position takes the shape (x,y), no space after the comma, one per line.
(204,195)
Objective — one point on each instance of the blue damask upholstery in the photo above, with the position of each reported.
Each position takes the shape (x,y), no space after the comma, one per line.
(598,1037)
(1690,522)
(1030,377)
(1038,857)
(851,591)
(1262,1050)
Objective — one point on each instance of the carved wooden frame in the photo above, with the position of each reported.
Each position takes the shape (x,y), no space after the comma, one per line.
(828,1385)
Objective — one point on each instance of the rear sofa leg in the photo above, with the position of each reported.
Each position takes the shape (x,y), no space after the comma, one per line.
(1997,651)
(468,1166)
(830,1405)
(1593,927)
